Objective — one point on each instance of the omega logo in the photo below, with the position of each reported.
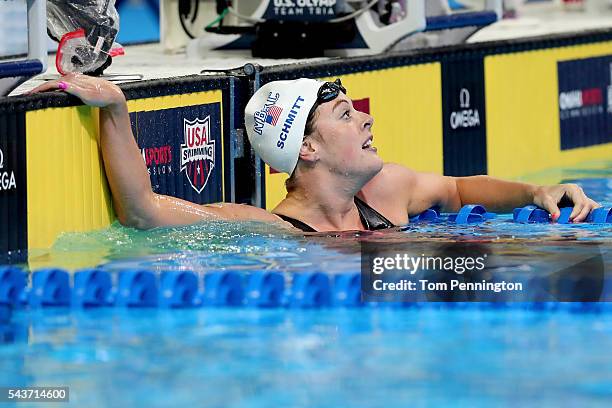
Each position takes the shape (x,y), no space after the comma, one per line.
(7,179)
(466,117)
(464,98)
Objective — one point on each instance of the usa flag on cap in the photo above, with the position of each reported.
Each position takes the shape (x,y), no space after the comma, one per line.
(274,113)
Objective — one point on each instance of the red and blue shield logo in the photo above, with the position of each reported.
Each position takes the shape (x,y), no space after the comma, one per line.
(197,153)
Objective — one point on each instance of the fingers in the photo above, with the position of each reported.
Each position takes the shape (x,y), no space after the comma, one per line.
(68,84)
(47,86)
(586,210)
(581,202)
(578,210)
(550,205)
(583,214)
(583,205)
(64,83)
(91,91)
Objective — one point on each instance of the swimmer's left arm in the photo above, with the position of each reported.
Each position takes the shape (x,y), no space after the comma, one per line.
(450,193)
(502,195)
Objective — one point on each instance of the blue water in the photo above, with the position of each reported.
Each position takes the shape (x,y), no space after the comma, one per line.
(341,358)
(432,355)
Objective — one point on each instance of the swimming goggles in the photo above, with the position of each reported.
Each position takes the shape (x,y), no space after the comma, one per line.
(330,91)
(327,92)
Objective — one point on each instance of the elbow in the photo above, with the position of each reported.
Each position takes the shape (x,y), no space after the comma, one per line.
(137,218)
(134,221)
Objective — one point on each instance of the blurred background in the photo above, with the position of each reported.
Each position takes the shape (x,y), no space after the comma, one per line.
(139,19)
(139,24)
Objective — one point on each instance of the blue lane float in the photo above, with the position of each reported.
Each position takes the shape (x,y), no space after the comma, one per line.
(471,214)
(178,290)
(429,215)
(601,215)
(12,285)
(530,214)
(265,289)
(136,288)
(223,289)
(92,288)
(50,287)
(347,290)
(310,290)
(260,289)
(5,314)
(564,216)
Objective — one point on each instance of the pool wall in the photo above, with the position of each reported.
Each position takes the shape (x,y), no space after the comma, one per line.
(502,108)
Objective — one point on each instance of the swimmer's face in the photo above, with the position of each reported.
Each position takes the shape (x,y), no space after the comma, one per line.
(343,139)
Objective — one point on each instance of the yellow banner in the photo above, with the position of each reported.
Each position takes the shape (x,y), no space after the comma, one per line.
(67,187)
(523,130)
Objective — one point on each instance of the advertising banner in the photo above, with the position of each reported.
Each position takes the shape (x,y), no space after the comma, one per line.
(585,101)
(182,150)
(13,189)
(463,113)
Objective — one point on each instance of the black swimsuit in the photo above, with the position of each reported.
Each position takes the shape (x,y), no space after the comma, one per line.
(370,218)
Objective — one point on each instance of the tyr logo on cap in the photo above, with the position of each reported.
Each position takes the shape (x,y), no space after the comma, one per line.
(198,153)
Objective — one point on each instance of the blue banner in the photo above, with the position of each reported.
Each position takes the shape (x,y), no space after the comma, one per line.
(182,150)
(585,102)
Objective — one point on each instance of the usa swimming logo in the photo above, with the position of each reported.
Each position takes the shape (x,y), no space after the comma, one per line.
(197,153)
(268,114)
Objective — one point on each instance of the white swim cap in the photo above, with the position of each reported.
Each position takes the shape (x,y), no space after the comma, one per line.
(275,119)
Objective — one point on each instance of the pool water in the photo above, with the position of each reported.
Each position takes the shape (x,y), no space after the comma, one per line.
(423,355)
(316,358)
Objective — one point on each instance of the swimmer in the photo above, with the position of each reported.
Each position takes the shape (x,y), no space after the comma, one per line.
(337,180)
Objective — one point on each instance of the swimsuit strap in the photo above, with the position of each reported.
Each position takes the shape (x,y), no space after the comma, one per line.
(297,223)
(370,218)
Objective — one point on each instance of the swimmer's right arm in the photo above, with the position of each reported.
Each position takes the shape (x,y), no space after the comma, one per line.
(134,201)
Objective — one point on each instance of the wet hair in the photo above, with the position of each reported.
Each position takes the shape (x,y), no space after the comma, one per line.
(310,121)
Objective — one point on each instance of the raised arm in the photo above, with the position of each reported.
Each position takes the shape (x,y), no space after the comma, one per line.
(134,201)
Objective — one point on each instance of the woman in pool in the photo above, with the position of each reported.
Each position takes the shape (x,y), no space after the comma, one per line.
(338,182)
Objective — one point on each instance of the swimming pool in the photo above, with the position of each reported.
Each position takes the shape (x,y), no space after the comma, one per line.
(438,354)
(309,358)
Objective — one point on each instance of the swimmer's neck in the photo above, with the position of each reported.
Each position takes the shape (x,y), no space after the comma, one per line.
(324,202)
